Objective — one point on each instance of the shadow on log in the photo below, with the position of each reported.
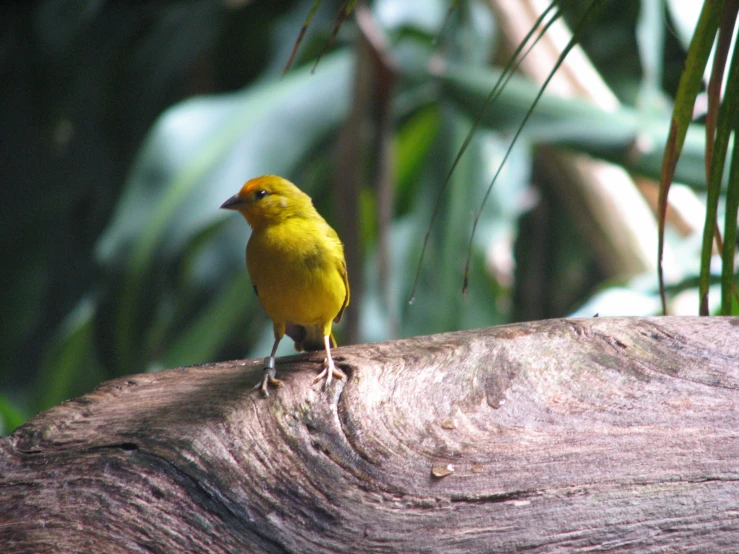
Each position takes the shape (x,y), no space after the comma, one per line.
(561,435)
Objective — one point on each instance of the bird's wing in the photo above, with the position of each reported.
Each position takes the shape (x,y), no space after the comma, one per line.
(330,234)
(345,278)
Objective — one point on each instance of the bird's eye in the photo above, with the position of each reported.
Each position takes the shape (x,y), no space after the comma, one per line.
(260,194)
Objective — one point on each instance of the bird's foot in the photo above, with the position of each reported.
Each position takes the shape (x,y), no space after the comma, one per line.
(269,377)
(329,371)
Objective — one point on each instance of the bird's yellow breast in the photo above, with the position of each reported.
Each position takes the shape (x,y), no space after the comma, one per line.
(298,269)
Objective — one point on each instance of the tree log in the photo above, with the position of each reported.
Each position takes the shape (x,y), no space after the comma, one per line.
(552,436)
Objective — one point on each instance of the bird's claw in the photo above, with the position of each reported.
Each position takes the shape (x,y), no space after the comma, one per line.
(268,379)
(329,371)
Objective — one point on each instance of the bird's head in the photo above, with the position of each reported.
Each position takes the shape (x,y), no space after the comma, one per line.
(269,199)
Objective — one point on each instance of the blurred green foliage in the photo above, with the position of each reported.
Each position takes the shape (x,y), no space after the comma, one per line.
(127,124)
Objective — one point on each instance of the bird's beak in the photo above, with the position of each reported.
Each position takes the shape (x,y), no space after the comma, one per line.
(233,203)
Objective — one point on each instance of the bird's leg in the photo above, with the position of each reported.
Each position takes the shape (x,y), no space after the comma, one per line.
(330,370)
(269,371)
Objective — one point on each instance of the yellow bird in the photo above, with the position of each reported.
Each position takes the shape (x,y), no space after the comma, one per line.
(297,267)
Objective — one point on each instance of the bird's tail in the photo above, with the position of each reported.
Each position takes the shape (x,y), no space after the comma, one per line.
(307,339)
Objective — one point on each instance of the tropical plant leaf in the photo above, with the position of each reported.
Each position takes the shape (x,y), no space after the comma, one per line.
(10,416)
(720,123)
(301,34)
(575,124)
(682,115)
(494,93)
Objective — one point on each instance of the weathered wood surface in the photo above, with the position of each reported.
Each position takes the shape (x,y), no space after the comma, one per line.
(563,435)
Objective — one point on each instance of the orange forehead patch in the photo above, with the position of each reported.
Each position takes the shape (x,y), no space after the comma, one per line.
(257,183)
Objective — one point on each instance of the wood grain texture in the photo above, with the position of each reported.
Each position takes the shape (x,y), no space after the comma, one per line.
(551,436)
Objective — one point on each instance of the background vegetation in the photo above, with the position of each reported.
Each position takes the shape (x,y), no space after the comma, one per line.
(126,125)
